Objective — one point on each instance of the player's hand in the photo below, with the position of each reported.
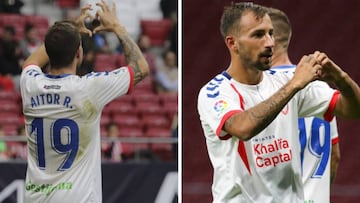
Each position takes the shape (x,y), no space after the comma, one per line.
(307,70)
(330,72)
(80,22)
(107,17)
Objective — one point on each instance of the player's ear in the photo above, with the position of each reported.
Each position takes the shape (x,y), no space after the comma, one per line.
(231,43)
(79,53)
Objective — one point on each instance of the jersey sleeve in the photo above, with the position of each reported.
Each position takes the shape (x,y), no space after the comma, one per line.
(106,86)
(334,135)
(215,107)
(317,99)
(27,78)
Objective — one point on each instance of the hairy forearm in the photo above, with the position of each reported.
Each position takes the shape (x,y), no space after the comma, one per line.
(133,55)
(349,101)
(39,57)
(249,123)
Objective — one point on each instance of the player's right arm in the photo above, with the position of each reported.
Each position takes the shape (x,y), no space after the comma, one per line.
(132,52)
(248,123)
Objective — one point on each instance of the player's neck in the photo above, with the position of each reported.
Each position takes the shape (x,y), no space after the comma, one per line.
(61,71)
(244,75)
(280,59)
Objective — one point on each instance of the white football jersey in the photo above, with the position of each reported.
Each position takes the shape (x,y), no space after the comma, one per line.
(316,138)
(62,116)
(265,168)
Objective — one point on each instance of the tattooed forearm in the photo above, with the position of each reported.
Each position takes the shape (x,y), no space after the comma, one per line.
(133,56)
(263,114)
(249,123)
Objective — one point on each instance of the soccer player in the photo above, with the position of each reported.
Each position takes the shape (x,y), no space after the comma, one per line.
(250,117)
(318,138)
(62,110)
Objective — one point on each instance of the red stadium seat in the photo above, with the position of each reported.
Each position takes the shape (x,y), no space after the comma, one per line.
(131,132)
(10,119)
(168,98)
(9,106)
(158,132)
(120,60)
(38,21)
(170,109)
(105,62)
(9,95)
(128,121)
(10,129)
(157,30)
(149,108)
(68,3)
(105,119)
(15,20)
(159,121)
(147,97)
(145,86)
(121,108)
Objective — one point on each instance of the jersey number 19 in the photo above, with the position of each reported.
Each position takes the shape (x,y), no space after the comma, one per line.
(70,148)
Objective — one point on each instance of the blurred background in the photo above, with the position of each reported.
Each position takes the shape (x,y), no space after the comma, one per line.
(330,26)
(139,131)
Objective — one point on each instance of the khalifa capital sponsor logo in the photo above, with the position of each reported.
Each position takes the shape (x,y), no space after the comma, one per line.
(220,106)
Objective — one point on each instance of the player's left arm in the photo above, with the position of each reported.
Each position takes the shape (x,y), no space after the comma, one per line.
(40,58)
(348,102)
(334,162)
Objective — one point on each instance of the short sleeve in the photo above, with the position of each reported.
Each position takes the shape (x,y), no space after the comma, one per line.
(215,107)
(317,99)
(28,76)
(334,132)
(106,86)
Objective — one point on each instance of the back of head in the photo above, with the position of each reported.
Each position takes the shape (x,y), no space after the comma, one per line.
(232,15)
(282,28)
(61,43)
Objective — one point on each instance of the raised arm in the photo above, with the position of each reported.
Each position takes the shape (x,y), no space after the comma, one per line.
(38,57)
(133,55)
(257,118)
(348,104)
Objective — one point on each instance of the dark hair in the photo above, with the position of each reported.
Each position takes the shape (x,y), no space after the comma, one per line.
(10,29)
(232,15)
(61,43)
(282,27)
(28,27)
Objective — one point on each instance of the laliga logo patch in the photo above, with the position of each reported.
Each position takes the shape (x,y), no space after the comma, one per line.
(220,106)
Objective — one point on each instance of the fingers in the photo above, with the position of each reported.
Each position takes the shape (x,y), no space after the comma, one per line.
(104,7)
(85,9)
(98,29)
(113,9)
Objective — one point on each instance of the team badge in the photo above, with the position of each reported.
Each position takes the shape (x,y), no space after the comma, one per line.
(220,106)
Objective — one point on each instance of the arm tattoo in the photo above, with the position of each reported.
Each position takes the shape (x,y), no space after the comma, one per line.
(267,110)
(133,56)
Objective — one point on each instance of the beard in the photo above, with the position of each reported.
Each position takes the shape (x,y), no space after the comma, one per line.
(262,63)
